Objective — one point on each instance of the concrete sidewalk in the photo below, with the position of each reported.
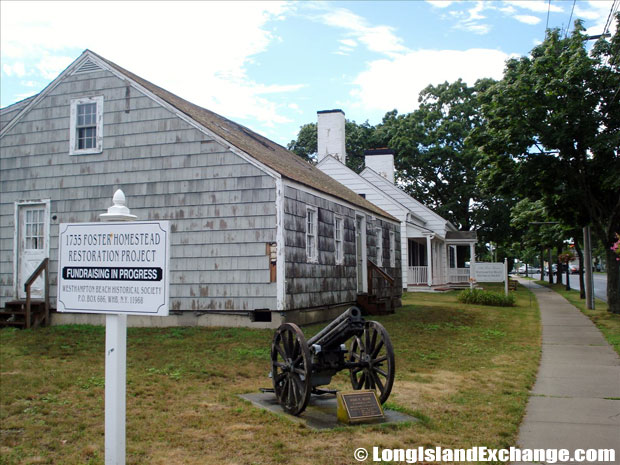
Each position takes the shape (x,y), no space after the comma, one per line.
(575,403)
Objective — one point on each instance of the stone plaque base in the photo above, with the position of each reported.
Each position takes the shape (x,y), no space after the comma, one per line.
(359,407)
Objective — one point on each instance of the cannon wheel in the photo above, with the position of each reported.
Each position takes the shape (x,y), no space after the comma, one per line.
(291,368)
(374,350)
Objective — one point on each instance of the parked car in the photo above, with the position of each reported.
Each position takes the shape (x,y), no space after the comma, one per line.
(573,269)
(554,267)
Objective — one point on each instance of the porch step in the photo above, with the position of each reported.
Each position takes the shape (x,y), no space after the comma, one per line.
(14,314)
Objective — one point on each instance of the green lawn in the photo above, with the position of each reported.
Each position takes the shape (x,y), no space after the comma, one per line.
(608,323)
(464,370)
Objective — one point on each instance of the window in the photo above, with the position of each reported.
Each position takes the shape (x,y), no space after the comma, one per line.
(34,223)
(86,126)
(379,246)
(338,240)
(312,240)
(392,249)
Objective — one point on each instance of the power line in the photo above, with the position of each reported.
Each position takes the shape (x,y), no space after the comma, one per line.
(547,24)
(613,9)
(571,17)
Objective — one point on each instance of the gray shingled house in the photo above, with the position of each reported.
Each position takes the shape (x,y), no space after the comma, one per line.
(259,236)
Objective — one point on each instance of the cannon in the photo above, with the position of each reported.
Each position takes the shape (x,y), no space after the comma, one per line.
(300,366)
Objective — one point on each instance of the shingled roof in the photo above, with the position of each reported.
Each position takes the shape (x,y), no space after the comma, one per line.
(258,147)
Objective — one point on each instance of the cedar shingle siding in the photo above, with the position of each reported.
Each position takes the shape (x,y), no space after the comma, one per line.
(222,208)
(224,189)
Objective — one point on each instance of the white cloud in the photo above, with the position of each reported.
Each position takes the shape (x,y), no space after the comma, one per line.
(396,83)
(440,3)
(51,66)
(348,42)
(380,39)
(474,13)
(509,10)
(177,45)
(472,23)
(480,29)
(527,19)
(596,14)
(17,69)
(537,6)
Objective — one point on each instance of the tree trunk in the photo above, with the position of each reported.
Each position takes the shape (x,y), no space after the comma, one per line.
(582,288)
(613,281)
(559,264)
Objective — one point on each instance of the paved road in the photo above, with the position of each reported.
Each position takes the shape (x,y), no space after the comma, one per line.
(600,284)
(575,403)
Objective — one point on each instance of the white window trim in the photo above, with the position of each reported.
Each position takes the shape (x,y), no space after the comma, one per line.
(379,246)
(339,259)
(392,249)
(314,258)
(73,150)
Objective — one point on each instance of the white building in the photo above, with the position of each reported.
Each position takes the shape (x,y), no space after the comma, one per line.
(424,233)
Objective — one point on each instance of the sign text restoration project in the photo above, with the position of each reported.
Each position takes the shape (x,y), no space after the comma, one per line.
(118,267)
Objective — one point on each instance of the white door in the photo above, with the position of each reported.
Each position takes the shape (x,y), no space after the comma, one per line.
(33,245)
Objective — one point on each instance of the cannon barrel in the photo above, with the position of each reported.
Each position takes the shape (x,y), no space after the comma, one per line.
(337,329)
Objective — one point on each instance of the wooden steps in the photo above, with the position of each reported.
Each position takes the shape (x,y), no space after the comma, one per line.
(373,305)
(14,314)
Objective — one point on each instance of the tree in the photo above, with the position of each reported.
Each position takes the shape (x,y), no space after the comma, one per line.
(305,146)
(358,138)
(436,163)
(552,131)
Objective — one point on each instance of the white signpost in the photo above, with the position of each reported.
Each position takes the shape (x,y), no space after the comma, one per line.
(495,272)
(118,268)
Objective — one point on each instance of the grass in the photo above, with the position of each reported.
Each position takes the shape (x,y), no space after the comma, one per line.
(607,322)
(464,370)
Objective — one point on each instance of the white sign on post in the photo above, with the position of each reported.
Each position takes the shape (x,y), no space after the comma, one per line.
(119,267)
(489,272)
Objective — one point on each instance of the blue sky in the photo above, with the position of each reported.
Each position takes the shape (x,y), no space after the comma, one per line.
(272,65)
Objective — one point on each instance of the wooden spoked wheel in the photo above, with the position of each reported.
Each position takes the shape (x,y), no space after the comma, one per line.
(291,368)
(373,355)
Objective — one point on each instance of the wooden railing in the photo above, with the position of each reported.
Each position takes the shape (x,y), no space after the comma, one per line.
(373,268)
(43,266)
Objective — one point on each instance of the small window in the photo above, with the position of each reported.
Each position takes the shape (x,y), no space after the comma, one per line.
(338,240)
(34,224)
(312,240)
(392,249)
(86,126)
(379,246)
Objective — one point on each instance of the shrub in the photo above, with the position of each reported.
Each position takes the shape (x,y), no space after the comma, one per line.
(480,297)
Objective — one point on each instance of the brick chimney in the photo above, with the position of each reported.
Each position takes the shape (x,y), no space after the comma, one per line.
(381,161)
(330,135)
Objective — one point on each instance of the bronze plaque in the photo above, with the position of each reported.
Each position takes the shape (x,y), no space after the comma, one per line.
(361,405)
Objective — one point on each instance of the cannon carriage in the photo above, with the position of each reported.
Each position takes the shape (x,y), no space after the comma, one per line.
(300,366)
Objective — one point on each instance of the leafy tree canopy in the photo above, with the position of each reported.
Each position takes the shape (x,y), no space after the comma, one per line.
(552,132)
